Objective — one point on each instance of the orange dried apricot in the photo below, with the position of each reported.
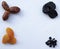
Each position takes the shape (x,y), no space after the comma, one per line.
(9,37)
(5,39)
(10,33)
(13,41)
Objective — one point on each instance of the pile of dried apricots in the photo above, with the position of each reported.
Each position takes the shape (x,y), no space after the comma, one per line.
(9,37)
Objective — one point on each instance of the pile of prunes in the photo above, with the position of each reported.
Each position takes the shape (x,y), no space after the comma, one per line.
(49,9)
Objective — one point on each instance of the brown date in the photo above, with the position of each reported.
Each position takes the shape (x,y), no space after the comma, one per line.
(9,10)
(5,6)
(14,9)
(5,15)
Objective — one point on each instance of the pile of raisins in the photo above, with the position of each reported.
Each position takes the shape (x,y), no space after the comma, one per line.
(49,9)
(51,42)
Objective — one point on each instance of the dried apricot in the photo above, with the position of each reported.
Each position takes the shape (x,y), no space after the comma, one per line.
(9,37)
(5,39)
(13,41)
(10,33)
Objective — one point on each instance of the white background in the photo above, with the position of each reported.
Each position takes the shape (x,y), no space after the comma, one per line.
(31,26)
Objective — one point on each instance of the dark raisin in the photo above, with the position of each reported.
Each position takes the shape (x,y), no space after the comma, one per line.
(50,45)
(47,43)
(50,38)
(51,42)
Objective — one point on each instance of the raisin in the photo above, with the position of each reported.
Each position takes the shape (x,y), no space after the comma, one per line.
(50,38)
(51,42)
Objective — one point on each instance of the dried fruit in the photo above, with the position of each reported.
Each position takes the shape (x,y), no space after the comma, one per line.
(5,6)
(13,41)
(48,6)
(9,37)
(9,10)
(14,9)
(10,33)
(5,39)
(51,42)
(49,9)
(52,13)
(5,15)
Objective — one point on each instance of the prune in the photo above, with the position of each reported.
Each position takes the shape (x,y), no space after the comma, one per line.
(49,9)
(45,9)
(52,14)
(51,4)
(48,6)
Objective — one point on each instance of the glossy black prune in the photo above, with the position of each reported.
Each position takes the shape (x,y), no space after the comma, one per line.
(52,14)
(48,6)
(51,4)
(49,9)
(45,9)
